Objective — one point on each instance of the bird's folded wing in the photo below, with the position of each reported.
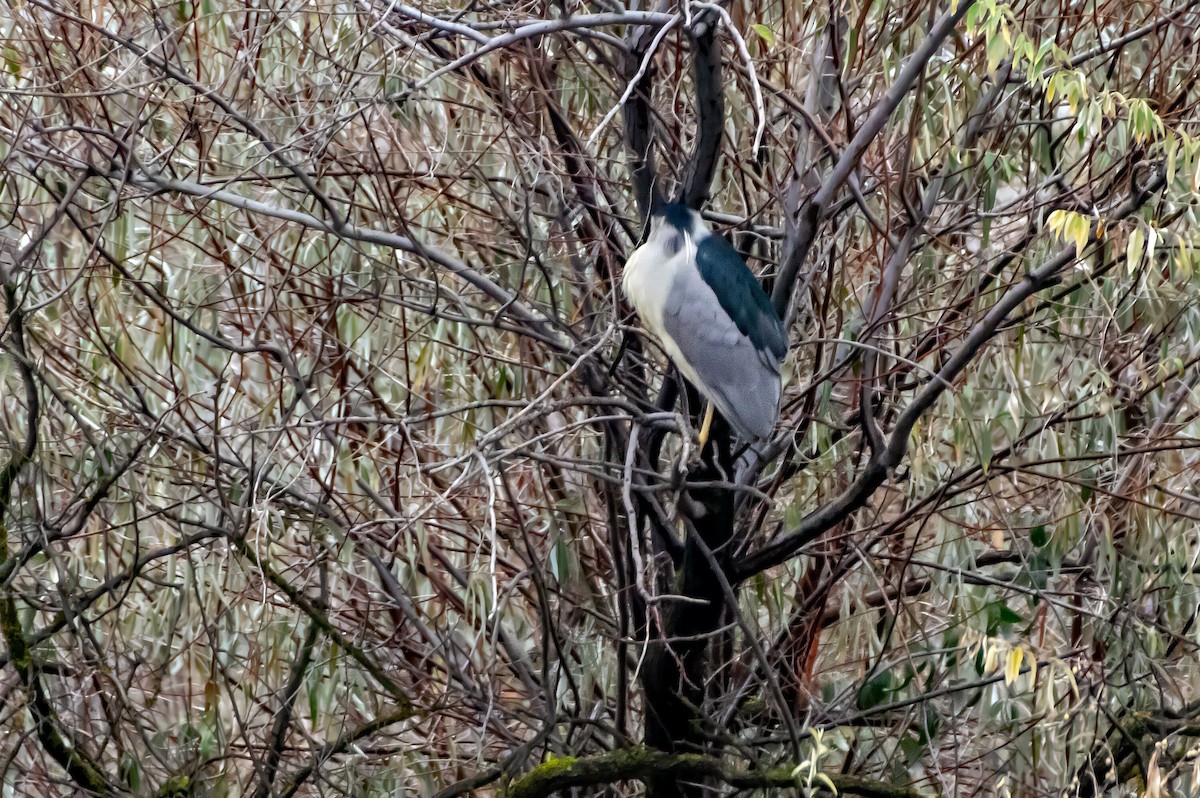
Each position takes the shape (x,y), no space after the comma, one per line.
(742,380)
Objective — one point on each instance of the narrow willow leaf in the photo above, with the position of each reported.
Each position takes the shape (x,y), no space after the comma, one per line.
(1134,249)
(764,33)
(1012,666)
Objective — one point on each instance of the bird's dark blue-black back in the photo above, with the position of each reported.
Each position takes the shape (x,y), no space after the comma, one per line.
(740,295)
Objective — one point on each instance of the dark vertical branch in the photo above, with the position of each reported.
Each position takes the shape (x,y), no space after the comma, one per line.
(639,135)
(710,112)
(677,669)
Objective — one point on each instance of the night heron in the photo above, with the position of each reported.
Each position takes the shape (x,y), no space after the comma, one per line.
(699,298)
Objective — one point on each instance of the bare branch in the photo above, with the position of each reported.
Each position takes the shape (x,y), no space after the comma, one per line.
(813,211)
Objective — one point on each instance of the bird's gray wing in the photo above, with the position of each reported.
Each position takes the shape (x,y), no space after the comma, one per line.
(741,379)
(739,292)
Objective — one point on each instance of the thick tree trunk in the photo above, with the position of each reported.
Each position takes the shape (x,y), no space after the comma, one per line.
(677,668)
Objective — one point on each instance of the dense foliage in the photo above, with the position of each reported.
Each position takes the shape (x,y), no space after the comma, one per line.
(334,462)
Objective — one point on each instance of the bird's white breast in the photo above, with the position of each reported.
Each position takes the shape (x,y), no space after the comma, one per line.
(648,280)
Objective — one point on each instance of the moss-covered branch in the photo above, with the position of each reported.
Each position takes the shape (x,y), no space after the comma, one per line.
(640,763)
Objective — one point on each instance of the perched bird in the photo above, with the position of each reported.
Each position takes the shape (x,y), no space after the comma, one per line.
(695,293)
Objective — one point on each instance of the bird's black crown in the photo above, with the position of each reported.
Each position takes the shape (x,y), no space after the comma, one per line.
(677,215)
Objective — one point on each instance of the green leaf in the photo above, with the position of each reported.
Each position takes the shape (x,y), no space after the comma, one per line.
(875,691)
(12,61)
(912,749)
(998,615)
(764,33)
(997,51)
(131,771)
(1008,616)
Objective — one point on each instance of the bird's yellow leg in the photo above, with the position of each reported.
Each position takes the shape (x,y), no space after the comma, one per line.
(706,427)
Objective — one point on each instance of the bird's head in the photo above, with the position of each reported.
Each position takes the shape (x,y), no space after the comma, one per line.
(673,225)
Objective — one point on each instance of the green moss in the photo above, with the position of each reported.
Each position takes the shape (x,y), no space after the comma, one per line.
(556,765)
(175,787)
(542,777)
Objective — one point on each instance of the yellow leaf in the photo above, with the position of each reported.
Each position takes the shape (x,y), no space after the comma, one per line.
(1081,230)
(1071,225)
(1012,668)
(1134,249)
(1172,151)
(1056,220)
